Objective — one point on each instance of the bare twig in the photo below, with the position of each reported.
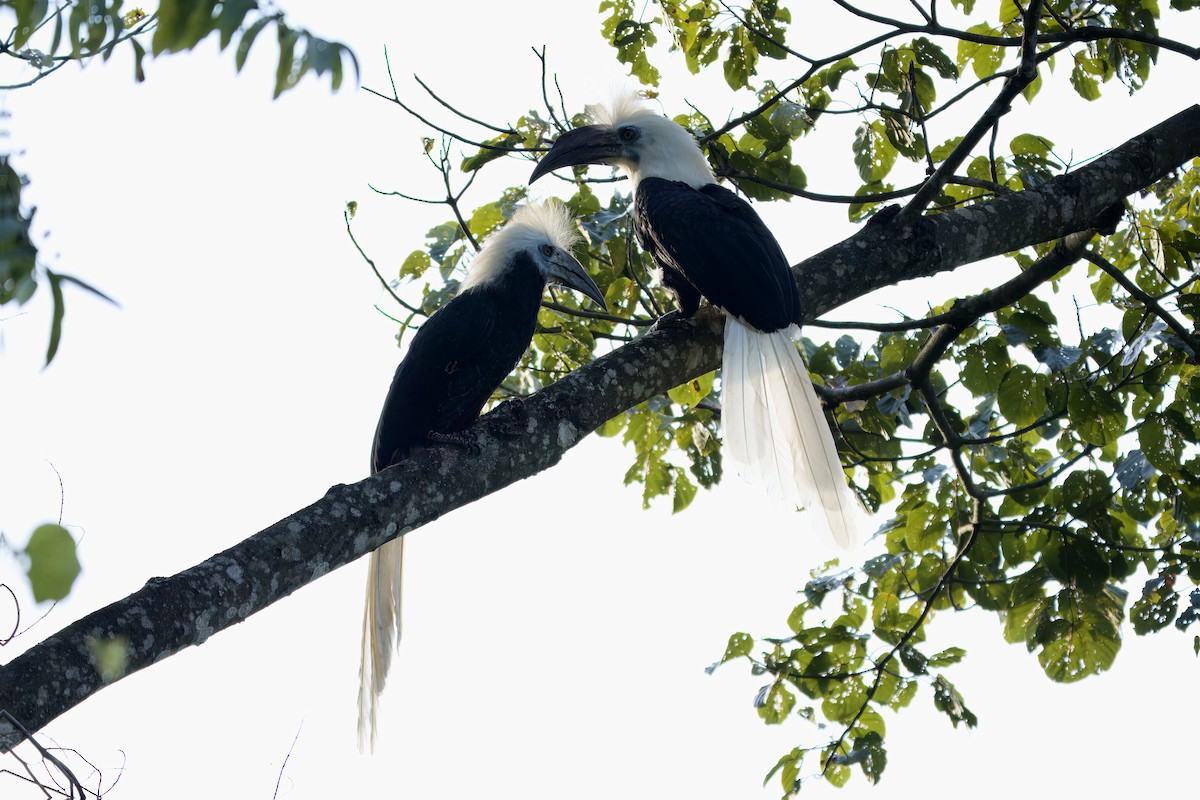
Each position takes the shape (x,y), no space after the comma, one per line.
(375,269)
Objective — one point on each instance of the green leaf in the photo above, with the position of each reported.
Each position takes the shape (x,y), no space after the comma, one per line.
(1022,395)
(742,61)
(198,24)
(874,155)
(1087,493)
(233,12)
(170,18)
(57,318)
(486,219)
(832,75)
(1032,88)
(1162,439)
(243,48)
(871,756)
(1095,414)
(837,773)
(1158,605)
(984,59)
(1085,85)
(1029,144)
(631,38)
(788,768)
(740,644)
(498,147)
(951,655)
(415,265)
(1078,563)
(1080,634)
(947,700)
(29,14)
(286,72)
(931,55)
(685,491)
(139,56)
(53,563)
(775,706)
(985,363)
(924,526)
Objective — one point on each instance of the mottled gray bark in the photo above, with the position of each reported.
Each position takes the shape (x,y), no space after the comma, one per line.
(520,439)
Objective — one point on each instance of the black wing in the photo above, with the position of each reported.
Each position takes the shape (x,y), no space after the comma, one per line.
(715,240)
(427,388)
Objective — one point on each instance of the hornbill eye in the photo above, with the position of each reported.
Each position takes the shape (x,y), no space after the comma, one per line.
(547,250)
(628,133)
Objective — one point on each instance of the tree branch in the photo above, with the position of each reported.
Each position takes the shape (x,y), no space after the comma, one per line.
(522,438)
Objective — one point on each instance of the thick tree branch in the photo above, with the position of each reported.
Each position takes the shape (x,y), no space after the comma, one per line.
(521,439)
(883,253)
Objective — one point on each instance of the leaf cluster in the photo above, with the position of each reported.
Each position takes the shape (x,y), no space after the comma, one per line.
(76,31)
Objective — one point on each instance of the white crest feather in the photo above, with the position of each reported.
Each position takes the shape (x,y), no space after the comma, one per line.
(529,227)
(666,150)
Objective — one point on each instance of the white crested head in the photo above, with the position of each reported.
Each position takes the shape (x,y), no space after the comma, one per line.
(529,228)
(663,147)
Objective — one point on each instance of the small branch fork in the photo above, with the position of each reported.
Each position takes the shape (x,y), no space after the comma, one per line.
(1151,303)
(145,26)
(989,121)
(969,534)
(953,323)
(931,27)
(73,787)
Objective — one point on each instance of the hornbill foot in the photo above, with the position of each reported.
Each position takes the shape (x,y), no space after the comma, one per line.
(671,319)
(457,439)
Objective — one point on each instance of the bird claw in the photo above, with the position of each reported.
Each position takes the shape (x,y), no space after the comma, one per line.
(456,439)
(671,319)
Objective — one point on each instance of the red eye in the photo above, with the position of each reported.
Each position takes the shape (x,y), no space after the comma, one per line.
(547,250)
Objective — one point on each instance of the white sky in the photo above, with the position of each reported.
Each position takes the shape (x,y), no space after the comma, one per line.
(556,634)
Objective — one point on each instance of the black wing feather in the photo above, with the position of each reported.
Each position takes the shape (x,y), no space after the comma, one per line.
(437,385)
(714,240)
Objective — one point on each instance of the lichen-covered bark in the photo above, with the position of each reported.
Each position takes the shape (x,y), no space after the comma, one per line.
(520,439)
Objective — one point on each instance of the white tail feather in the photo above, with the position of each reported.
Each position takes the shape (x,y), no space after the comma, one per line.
(775,431)
(380,634)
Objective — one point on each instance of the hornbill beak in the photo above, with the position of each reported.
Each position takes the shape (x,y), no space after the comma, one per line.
(591,144)
(566,271)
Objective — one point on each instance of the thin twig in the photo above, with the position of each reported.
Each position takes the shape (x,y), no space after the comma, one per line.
(375,269)
(1178,328)
(1022,77)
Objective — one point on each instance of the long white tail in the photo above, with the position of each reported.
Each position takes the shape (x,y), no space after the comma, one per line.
(775,431)
(380,634)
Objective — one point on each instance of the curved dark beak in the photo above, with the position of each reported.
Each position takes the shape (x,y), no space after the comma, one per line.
(566,271)
(592,144)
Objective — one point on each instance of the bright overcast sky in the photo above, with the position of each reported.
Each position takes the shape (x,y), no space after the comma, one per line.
(556,634)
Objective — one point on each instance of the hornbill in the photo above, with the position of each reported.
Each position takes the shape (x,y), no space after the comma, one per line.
(709,242)
(454,363)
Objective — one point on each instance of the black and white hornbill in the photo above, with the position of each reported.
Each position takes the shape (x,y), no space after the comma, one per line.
(453,364)
(709,242)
